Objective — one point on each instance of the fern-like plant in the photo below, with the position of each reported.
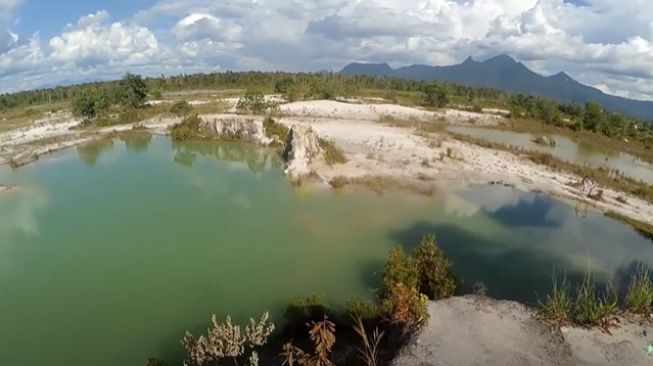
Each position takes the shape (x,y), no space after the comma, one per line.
(226,341)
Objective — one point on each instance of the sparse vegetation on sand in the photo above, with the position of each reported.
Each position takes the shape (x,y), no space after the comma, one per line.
(601,176)
(332,154)
(276,131)
(587,306)
(644,228)
(187,130)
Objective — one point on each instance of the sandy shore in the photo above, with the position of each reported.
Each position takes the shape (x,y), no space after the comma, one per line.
(374,150)
(472,330)
(377,150)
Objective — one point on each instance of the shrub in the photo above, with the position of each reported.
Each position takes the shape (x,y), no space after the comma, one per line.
(225,341)
(275,131)
(188,129)
(284,85)
(405,306)
(640,292)
(399,269)
(87,106)
(436,95)
(558,304)
(133,90)
(434,270)
(181,108)
(361,309)
(332,154)
(252,102)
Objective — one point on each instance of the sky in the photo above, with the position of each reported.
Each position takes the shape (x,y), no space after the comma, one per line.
(604,43)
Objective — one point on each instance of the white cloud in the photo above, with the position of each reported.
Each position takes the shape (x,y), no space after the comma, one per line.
(8,38)
(199,26)
(93,42)
(606,43)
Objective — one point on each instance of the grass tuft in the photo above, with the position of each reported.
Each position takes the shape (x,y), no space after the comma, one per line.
(558,304)
(640,292)
(332,154)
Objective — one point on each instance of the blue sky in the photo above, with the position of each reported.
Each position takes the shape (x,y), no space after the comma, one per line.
(49,16)
(604,43)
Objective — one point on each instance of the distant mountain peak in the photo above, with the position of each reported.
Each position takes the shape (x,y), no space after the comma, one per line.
(501,59)
(382,69)
(562,76)
(469,60)
(505,73)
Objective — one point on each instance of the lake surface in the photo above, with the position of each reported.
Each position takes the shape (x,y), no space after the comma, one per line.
(109,252)
(566,149)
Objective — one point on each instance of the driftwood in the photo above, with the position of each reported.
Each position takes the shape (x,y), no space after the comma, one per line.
(588,188)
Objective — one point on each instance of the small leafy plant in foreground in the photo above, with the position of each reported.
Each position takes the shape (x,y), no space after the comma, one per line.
(323,336)
(591,309)
(369,352)
(558,304)
(226,341)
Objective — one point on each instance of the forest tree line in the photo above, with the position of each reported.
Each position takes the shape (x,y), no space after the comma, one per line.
(300,86)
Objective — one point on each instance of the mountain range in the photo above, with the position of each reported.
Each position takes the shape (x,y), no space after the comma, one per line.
(504,73)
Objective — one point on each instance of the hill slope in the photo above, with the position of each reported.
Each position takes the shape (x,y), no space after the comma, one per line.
(504,73)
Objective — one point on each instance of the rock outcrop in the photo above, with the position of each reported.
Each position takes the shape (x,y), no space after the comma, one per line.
(301,151)
(246,128)
(476,330)
(545,141)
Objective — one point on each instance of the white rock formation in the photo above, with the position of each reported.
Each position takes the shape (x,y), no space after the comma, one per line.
(247,128)
(301,151)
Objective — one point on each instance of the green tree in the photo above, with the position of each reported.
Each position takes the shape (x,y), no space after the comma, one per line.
(593,117)
(87,106)
(434,270)
(181,108)
(133,90)
(253,101)
(284,85)
(436,95)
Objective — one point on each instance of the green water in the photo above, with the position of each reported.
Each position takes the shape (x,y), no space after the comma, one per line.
(109,252)
(566,149)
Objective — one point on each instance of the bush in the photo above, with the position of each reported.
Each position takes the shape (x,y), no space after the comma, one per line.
(85,105)
(640,292)
(275,131)
(435,278)
(399,269)
(362,309)
(181,108)
(405,306)
(252,102)
(436,95)
(284,85)
(188,129)
(133,90)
